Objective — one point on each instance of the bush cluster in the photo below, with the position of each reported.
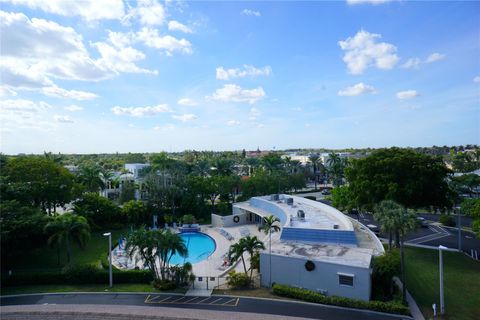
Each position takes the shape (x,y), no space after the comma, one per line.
(238,280)
(447,220)
(76,274)
(315,297)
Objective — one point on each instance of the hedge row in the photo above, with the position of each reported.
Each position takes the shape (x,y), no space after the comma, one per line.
(83,274)
(312,296)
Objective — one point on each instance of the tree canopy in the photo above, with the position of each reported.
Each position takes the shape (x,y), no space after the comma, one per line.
(402,175)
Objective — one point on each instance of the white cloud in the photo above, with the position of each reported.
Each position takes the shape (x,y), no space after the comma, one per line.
(435,57)
(73,108)
(148,12)
(57,92)
(22,105)
(247,70)
(177,26)
(356,90)
(234,93)
(476,79)
(7,92)
(185,117)
(412,63)
(362,51)
(24,114)
(374,2)
(187,102)
(152,39)
(249,12)
(62,119)
(140,111)
(166,127)
(90,10)
(408,94)
(254,112)
(232,123)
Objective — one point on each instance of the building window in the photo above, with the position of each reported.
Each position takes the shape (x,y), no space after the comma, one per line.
(345,280)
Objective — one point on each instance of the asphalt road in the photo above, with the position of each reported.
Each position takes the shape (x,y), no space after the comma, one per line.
(434,235)
(220,303)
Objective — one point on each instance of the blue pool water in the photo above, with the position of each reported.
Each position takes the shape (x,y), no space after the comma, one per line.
(199,245)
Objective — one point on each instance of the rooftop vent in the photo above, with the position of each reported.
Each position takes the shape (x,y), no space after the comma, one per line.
(274,197)
(301,214)
(336,226)
(289,201)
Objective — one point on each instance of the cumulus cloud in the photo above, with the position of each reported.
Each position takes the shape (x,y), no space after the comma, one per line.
(140,111)
(476,79)
(247,70)
(185,117)
(148,12)
(356,90)
(73,108)
(24,114)
(151,38)
(407,94)
(252,13)
(232,123)
(187,102)
(62,119)
(177,26)
(412,63)
(90,10)
(363,51)
(435,57)
(374,2)
(55,91)
(234,93)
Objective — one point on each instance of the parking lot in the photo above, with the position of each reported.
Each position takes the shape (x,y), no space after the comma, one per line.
(188,300)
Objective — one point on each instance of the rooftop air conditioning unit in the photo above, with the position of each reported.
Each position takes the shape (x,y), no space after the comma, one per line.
(301,214)
(336,226)
(289,201)
(274,197)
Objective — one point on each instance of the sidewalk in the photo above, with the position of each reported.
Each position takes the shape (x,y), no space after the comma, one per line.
(414,309)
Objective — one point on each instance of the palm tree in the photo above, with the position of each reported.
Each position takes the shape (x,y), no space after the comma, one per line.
(90,176)
(236,252)
(251,245)
(401,221)
(314,159)
(168,244)
(202,168)
(67,228)
(142,241)
(270,225)
(253,164)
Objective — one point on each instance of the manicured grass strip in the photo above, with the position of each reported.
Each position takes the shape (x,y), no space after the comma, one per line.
(461,283)
(134,287)
(315,297)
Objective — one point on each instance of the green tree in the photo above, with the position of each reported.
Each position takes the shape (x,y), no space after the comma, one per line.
(412,179)
(269,226)
(90,176)
(341,198)
(314,159)
(385,267)
(251,245)
(99,211)
(127,193)
(37,181)
(136,213)
(466,183)
(401,222)
(68,228)
(235,252)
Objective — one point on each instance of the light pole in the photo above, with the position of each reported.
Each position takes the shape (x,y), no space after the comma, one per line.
(459,231)
(442,300)
(109,235)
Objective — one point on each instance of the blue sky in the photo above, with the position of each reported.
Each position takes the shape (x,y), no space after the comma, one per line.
(125,76)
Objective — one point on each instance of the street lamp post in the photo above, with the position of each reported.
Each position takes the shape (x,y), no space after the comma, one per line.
(442,300)
(109,235)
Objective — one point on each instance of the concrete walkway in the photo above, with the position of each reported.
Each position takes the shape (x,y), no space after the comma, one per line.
(414,309)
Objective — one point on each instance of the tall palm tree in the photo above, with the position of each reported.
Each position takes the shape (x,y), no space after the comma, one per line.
(269,226)
(68,228)
(253,164)
(142,242)
(314,158)
(251,245)
(235,252)
(168,244)
(401,222)
(202,168)
(90,176)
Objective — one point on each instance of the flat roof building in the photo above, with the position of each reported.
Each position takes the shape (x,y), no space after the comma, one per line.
(318,248)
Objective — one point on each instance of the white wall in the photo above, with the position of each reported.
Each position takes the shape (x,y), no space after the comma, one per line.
(291,271)
(228,221)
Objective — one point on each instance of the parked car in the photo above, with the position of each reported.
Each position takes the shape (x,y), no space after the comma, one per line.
(374,228)
(422,222)
(325,192)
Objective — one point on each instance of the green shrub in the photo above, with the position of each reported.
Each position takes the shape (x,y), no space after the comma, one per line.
(447,220)
(312,296)
(164,285)
(238,280)
(188,219)
(78,274)
(385,267)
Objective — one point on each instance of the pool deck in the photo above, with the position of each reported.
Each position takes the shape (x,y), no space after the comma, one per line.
(213,265)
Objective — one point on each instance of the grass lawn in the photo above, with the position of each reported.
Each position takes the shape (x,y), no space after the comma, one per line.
(84,288)
(462,283)
(46,258)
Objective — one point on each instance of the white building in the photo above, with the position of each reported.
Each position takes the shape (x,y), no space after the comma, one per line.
(318,248)
(135,168)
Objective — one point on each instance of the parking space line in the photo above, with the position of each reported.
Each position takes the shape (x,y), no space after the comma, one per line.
(213,302)
(231,300)
(198,302)
(190,301)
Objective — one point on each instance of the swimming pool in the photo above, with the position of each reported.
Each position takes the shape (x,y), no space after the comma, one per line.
(200,246)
